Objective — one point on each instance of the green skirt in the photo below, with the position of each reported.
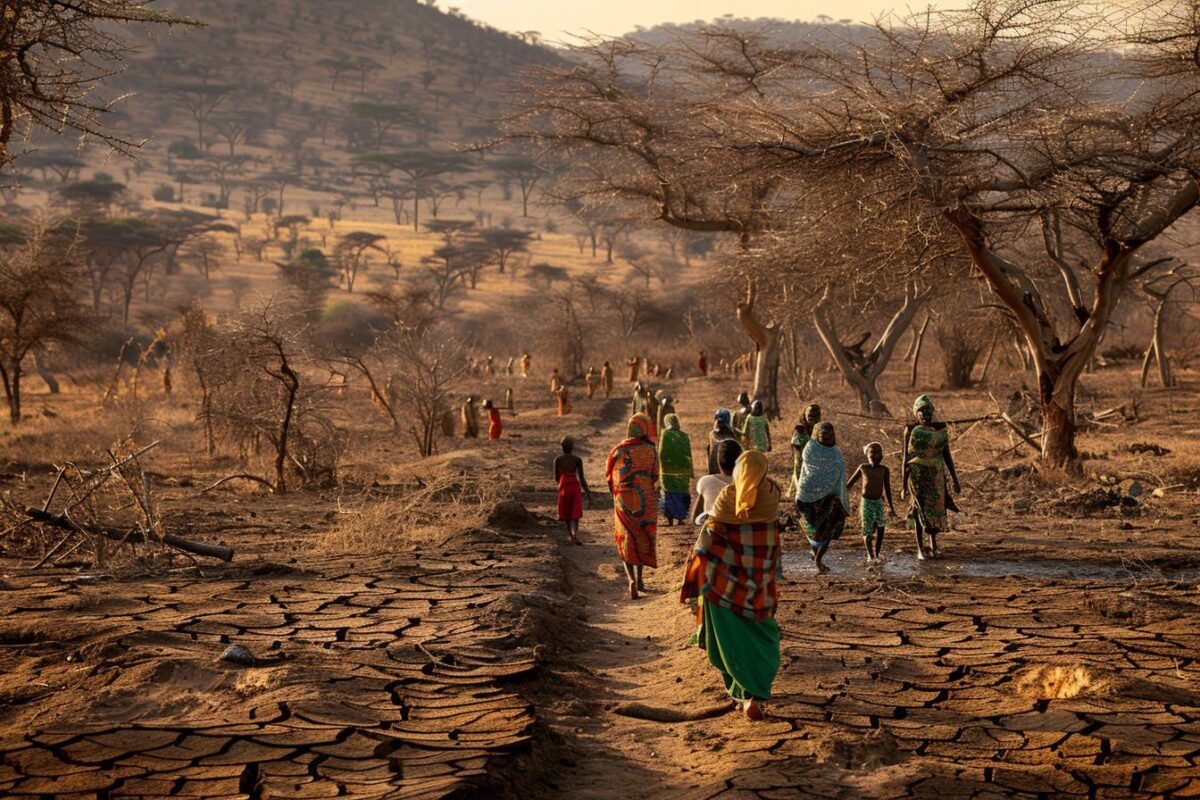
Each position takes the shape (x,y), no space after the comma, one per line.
(745,651)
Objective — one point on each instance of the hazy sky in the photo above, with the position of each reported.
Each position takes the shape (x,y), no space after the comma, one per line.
(553,17)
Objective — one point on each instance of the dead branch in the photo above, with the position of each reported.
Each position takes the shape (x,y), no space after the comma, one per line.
(134,536)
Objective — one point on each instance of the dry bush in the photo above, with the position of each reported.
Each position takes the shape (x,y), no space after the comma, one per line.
(441,505)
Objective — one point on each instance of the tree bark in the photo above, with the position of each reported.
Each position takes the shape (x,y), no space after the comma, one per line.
(292,384)
(918,343)
(766,365)
(863,378)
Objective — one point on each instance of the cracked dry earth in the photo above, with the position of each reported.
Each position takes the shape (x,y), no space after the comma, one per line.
(502,663)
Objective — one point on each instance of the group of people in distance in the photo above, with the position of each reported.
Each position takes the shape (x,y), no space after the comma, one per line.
(731,578)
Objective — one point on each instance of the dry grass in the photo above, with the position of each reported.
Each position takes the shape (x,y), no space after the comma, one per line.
(1060,683)
(445,502)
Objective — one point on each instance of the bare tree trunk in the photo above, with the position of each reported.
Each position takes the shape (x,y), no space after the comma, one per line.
(987,361)
(12,390)
(292,383)
(1156,352)
(918,343)
(864,377)
(46,375)
(766,365)
(1056,394)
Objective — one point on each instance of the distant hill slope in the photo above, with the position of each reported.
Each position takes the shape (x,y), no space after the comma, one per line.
(298,88)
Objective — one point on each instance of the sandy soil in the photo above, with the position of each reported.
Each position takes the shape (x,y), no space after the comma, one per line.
(1051,653)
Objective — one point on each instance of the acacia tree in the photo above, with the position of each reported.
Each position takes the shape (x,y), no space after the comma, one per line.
(860,368)
(1158,290)
(38,309)
(525,171)
(630,123)
(350,254)
(980,122)
(417,167)
(56,57)
(970,124)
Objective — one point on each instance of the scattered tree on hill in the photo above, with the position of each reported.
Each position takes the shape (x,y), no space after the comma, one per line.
(418,167)
(350,254)
(383,117)
(200,100)
(502,244)
(310,274)
(524,171)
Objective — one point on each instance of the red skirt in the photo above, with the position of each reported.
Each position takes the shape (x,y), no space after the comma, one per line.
(494,426)
(570,497)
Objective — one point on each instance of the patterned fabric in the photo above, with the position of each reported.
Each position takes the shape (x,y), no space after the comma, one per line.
(570,497)
(675,458)
(823,474)
(870,512)
(801,436)
(741,566)
(927,477)
(824,519)
(632,473)
(756,433)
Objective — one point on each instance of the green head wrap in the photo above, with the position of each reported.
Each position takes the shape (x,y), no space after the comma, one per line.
(922,403)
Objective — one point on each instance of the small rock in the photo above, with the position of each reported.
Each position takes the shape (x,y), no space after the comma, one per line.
(236,654)
(1135,490)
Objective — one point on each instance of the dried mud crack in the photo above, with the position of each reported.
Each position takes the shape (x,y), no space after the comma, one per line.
(411,683)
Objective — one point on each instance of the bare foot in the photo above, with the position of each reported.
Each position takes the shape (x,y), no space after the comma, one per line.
(633,591)
(753,711)
(920,555)
(821,568)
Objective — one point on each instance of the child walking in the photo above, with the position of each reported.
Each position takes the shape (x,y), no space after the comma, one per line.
(877,484)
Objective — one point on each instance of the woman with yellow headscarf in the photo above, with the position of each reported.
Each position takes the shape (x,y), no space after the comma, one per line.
(741,551)
(632,472)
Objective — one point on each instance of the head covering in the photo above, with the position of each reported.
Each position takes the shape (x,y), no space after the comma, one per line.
(748,475)
(822,474)
(744,398)
(671,422)
(722,415)
(757,408)
(639,426)
(921,403)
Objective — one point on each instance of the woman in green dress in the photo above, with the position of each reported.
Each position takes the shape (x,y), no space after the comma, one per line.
(927,468)
(674,470)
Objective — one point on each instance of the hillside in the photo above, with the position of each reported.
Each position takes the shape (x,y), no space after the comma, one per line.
(290,93)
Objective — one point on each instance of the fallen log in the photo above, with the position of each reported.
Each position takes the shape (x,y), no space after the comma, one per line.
(171,540)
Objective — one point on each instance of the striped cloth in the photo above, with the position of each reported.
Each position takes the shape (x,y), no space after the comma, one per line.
(740,569)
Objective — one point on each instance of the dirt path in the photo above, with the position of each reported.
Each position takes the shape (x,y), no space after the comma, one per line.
(631,652)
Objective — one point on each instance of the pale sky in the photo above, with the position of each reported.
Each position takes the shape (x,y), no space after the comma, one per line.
(614,17)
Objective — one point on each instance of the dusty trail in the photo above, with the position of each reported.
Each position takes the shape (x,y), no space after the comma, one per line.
(627,652)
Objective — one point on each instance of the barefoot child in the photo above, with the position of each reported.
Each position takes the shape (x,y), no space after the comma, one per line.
(568,471)
(877,484)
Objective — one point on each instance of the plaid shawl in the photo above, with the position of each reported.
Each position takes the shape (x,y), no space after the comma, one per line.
(740,568)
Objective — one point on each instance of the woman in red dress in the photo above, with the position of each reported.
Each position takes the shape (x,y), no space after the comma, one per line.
(568,471)
(494,426)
